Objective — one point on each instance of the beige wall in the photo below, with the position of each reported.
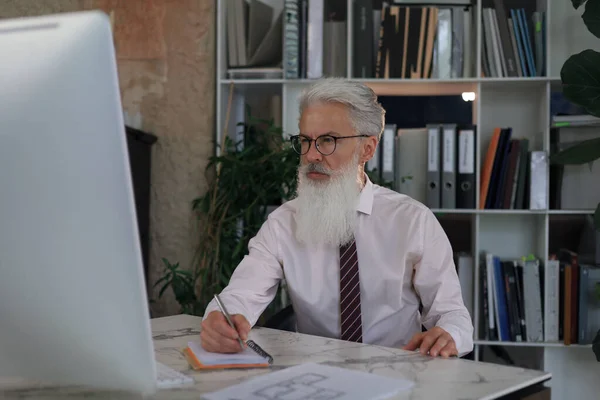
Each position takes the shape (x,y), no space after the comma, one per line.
(166,59)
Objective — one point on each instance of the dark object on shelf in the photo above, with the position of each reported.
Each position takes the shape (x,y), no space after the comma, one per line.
(140,144)
(418,111)
(589,244)
(499,352)
(537,391)
(596,346)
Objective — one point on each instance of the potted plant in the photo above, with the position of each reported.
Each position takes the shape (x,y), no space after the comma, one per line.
(580,77)
(247,180)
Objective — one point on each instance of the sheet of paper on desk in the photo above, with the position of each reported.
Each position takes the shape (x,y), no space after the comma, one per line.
(314,382)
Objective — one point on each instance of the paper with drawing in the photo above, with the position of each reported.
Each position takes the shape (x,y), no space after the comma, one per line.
(314,382)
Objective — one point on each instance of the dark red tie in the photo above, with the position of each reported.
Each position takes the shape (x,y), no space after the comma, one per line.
(351,321)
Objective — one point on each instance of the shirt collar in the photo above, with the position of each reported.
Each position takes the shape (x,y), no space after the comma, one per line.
(365,203)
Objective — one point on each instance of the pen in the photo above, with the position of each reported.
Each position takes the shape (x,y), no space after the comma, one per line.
(227,317)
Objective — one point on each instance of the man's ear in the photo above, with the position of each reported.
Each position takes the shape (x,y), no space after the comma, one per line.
(369,146)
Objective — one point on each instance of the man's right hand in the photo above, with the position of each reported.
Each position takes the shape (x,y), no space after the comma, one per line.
(218,337)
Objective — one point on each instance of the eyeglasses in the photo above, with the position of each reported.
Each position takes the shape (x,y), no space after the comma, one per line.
(325,144)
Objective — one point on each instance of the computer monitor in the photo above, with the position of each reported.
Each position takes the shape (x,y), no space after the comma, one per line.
(73,302)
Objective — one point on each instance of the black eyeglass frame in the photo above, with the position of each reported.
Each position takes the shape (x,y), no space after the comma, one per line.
(335,139)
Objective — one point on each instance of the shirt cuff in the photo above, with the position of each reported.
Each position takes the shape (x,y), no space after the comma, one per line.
(213,306)
(456,336)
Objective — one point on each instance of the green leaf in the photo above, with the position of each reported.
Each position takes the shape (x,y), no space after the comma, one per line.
(577,3)
(590,17)
(158,282)
(581,153)
(597,218)
(184,273)
(580,76)
(162,290)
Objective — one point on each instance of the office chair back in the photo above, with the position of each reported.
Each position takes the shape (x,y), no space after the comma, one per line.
(284,319)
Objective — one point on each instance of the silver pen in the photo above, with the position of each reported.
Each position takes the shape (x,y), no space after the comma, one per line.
(228,318)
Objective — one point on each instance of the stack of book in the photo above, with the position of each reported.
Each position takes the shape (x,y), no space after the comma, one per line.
(254,40)
(513,41)
(525,301)
(412,41)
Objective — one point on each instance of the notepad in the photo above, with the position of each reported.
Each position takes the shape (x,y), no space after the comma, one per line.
(251,356)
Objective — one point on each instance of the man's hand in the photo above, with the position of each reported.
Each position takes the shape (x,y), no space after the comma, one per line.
(218,337)
(435,341)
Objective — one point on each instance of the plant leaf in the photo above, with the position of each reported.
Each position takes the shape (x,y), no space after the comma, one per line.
(166,262)
(577,3)
(581,153)
(580,76)
(185,273)
(597,218)
(590,17)
(158,282)
(162,290)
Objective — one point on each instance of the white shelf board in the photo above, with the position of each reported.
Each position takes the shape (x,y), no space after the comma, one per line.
(485,211)
(509,211)
(483,80)
(528,344)
(570,212)
(252,81)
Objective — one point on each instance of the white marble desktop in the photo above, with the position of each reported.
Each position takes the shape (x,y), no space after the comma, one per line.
(434,378)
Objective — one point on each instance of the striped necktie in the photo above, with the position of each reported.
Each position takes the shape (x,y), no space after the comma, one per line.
(351,321)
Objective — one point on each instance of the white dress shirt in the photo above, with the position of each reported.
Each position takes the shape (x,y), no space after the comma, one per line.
(404,258)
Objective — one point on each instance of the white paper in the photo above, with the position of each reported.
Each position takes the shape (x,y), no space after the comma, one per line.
(538,189)
(388,150)
(314,382)
(449,149)
(466,151)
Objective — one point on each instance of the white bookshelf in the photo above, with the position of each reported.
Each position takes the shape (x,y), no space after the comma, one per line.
(523,104)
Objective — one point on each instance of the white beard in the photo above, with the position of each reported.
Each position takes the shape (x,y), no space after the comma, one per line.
(326,210)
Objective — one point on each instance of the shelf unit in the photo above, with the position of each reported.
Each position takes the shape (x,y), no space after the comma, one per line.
(522,103)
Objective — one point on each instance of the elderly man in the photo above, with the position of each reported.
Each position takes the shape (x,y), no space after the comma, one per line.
(359,259)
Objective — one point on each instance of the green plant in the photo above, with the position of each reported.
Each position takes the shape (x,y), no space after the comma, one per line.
(580,76)
(182,282)
(244,181)
(375,177)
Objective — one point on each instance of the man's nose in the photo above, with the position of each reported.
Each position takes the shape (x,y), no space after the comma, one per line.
(313,154)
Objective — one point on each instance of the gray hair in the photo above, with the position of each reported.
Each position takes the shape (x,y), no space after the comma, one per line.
(366,114)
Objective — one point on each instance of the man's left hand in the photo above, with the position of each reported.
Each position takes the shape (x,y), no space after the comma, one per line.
(435,341)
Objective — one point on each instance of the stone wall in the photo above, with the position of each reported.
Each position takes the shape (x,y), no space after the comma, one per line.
(166,61)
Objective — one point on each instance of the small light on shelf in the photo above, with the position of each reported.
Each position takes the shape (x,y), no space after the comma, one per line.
(468,96)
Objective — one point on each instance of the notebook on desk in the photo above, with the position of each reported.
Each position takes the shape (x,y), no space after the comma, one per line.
(253,356)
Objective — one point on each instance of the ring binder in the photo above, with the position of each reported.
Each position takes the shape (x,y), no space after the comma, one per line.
(259,350)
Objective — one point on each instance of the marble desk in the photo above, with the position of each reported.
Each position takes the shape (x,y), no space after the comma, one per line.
(447,379)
